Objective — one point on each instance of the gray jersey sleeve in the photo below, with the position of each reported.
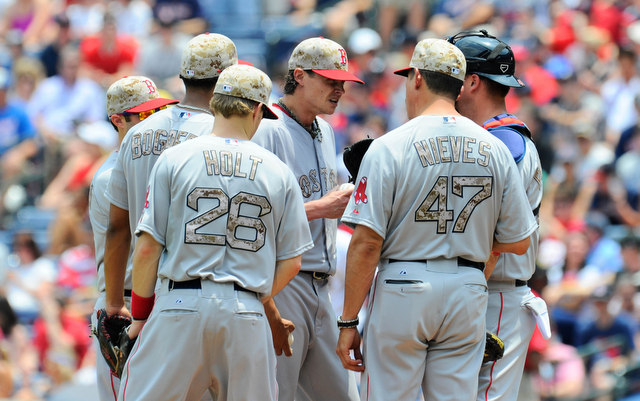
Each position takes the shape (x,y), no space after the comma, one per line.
(155,218)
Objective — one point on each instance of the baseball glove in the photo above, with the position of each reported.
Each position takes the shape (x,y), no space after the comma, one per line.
(493,348)
(353,155)
(115,344)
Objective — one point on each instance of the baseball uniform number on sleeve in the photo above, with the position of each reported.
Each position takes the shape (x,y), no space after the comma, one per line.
(438,195)
(230,208)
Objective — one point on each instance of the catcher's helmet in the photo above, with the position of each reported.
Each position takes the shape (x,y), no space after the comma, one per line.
(487,56)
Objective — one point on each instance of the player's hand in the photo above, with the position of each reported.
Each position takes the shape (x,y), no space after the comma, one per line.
(350,340)
(335,202)
(280,330)
(117,310)
(135,328)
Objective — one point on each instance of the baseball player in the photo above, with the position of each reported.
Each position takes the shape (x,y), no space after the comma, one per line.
(490,69)
(434,198)
(223,229)
(318,68)
(129,101)
(203,59)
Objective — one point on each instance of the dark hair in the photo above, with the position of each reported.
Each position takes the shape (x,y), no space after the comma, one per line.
(442,84)
(199,84)
(494,87)
(290,83)
(626,52)
(26,239)
(8,318)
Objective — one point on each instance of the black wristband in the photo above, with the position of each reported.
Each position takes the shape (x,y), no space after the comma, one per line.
(347,324)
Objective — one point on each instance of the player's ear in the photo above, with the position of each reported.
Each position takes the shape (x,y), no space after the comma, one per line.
(117,120)
(418,80)
(298,75)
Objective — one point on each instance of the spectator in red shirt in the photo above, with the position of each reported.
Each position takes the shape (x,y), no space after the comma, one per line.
(107,55)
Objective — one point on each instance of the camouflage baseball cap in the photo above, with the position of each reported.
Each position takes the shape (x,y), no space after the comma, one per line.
(134,94)
(324,57)
(206,55)
(437,55)
(246,82)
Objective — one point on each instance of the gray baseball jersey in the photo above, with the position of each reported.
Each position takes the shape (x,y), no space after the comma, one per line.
(438,190)
(99,212)
(107,383)
(471,191)
(265,218)
(140,150)
(313,163)
(305,300)
(507,312)
(235,209)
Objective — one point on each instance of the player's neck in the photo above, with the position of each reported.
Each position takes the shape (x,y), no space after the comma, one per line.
(300,111)
(197,99)
(487,111)
(234,127)
(439,105)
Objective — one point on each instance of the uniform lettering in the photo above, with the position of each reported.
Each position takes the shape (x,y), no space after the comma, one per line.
(447,149)
(254,166)
(237,172)
(466,149)
(159,141)
(442,149)
(483,150)
(455,142)
(423,153)
(226,163)
(305,186)
(313,176)
(323,173)
(434,149)
(155,142)
(333,178)
(211,161)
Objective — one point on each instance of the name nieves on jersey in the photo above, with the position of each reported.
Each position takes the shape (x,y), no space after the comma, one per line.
(447,149)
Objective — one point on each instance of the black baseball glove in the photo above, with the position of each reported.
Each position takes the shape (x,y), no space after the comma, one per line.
(353,155)
(115,344)
(493,348)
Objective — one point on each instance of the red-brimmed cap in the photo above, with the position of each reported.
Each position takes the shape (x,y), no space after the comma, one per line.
(134,94)
(324,57)
(152,104)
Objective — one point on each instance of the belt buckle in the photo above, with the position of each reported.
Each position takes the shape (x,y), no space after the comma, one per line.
(319,276)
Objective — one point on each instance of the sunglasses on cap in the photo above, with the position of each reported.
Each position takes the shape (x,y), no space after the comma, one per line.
(144,114)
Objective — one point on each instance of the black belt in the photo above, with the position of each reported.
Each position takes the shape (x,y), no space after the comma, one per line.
(317,275)
(520,283)
(127,293)
(461,262)
(196,283)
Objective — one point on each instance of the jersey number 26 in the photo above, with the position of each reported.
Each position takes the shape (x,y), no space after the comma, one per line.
(231,208)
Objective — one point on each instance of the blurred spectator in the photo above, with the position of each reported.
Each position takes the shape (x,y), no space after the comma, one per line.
(108,55)
(50,54)
(28,73)
(133,17)
(188,13)
(557,369)
(60,104)
(85,16)
(30,274)
(29,17)
(161,54)
(620,93)
(604,252)
(390,12)
(86,154)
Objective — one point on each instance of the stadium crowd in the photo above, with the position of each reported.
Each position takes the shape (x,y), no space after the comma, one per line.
(578,59)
